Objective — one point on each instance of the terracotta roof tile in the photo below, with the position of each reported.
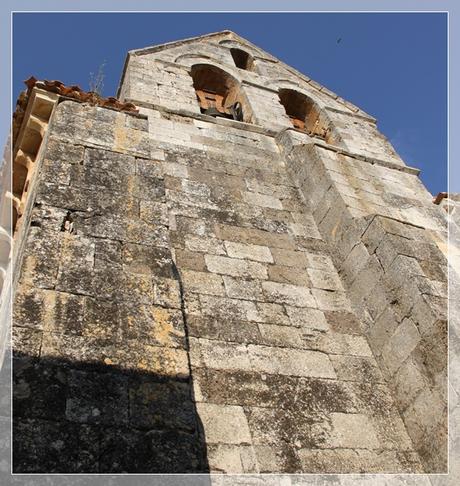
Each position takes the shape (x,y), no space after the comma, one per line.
(72,92)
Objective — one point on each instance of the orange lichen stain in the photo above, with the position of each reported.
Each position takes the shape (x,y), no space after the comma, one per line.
(124,138)
(143,364)
(130,321)
(163,327)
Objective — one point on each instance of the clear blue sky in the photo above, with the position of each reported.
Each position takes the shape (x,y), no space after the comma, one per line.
(392,65)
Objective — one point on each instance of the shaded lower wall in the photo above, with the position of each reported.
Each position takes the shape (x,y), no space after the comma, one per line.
(82,417)
(385,232)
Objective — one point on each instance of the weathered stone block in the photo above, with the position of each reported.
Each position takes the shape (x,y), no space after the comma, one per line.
(218,355)
(243,289)
(288,294)
(352,431)
(331,300)
(161,405)
(291,362)
(400,345)
(254,236)
(289,275)
(203,283)
(324,280)
(235,267)
(251,252)
(289,258)
(306,318)
(224,424)
(97,398)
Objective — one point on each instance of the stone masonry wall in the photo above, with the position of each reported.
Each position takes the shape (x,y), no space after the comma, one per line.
(200,294)
(150,268)
(384,230)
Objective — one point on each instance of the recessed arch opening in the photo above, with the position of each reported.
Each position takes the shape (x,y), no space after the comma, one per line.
(219,94)
(242,59)
(304,113)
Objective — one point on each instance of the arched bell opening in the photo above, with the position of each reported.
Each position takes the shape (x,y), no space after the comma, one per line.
(304,113)
(219,94)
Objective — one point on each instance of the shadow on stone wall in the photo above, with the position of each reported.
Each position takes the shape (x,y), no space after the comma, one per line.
(75,417)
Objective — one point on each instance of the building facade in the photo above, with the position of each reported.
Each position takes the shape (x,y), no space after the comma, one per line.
(228,269)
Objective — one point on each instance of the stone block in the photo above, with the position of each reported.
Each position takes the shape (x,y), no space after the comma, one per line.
(343,322)
(235,267)
(234,330)
(324,280)
(26,343)
(307,319)
(243,289)
(204,244)
(150,324)
(335,343)
(319,261)
(290,362)
(352,431)
(289,275)
(154,212)
(190,260)
(273,313)
(52,441)
(225,458)
(327,300)
(97,398)
(228,308)
(202,283)
(273,335)
(161,405)
(39,390)
(218,355)
(262,200)
(254,236)
(130,355)
(41,258)
(224,424)
(289,258)
(147,260)
(166,292)
(246,251)
(294,295)
(400,345)
(353,368)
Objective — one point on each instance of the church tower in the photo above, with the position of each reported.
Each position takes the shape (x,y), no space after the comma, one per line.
(225,269)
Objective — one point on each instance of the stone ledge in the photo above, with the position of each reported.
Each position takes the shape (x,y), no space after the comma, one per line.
(341,151)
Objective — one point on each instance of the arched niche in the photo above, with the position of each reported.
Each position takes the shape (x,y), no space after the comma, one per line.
(242,59)
(237,45)
(219,94)
(189,59)
(304,113)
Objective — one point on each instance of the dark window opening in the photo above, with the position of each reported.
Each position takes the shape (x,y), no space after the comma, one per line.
(218,94)
(303,113)
(242,59)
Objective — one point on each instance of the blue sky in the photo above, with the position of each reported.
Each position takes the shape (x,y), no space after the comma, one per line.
(392,65)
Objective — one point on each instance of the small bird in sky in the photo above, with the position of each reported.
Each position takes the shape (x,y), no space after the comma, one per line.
(339,40)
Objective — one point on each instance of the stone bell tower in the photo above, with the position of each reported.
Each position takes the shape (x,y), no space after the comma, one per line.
(226,269)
